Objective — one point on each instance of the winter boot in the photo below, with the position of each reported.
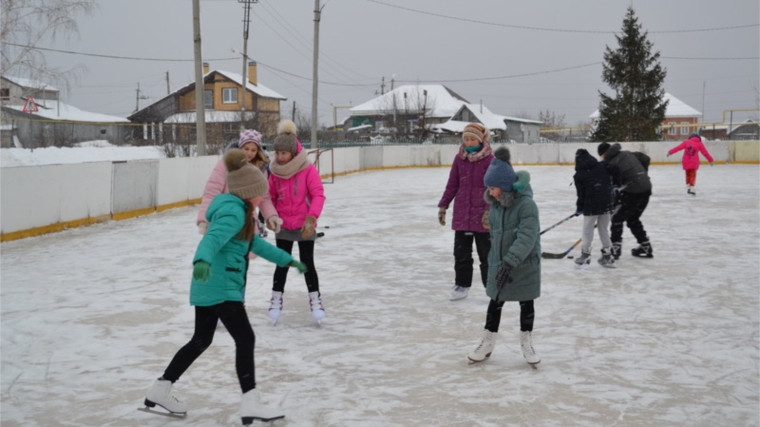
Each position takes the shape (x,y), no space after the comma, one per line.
(275,307)
(583,259)
(458,292)
(317,309)
(251,409)
(526,342)
(643,251)
(161,394)
(607,260)
(485,348)
(616,248)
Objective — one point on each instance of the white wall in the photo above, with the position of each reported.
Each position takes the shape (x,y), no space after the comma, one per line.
(36,197)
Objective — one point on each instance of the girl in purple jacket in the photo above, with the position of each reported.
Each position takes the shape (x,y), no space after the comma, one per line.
(298,196)
(690,160)
(470,220)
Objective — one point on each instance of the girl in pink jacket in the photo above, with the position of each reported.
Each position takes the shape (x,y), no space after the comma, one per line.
(690,160)
(296,190)
(250,142)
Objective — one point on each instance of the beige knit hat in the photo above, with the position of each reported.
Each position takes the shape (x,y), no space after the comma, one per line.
(243,179)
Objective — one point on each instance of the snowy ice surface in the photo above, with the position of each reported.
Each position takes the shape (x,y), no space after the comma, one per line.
(91,316)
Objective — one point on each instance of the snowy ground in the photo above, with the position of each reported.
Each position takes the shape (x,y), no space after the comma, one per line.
(91,316)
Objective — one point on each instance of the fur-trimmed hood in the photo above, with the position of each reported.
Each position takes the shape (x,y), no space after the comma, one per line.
(521,188)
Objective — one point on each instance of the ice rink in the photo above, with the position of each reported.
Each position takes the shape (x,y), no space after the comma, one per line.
(92,316)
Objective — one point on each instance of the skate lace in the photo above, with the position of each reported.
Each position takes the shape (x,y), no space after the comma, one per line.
(275,304)
(316,304)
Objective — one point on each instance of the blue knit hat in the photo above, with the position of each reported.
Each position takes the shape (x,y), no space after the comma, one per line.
(500,173)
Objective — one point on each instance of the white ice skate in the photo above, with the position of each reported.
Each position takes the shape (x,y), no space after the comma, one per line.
(275,307)
(317,309)
(526,342)
(458,292)
(161,394)
(251,409)
(485,348)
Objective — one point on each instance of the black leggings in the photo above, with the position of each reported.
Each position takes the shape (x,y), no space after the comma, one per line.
(493,315)
(306,255)
(233,316)
(463,256)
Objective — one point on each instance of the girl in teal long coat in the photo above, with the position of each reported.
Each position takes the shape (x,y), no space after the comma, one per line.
(514,261)
(217,290)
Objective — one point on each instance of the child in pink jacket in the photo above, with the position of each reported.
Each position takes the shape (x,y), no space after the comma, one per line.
(690,160)
(296,190)
(250,142)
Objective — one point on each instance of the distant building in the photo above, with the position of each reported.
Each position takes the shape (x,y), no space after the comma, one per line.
(55,123)
(504,128)
(173,117)
(680,119)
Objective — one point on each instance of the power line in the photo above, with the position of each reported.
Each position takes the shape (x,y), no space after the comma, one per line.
(555,30)
(112,56)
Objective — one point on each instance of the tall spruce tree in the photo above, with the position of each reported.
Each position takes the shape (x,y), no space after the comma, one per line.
(637,109)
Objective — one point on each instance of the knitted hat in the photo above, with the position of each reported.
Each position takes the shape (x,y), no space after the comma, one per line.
(476,130)
(286,137)
(500,173)
(602,148)
(243,179)
(249,135)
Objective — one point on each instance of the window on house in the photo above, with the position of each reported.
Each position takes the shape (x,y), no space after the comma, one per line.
(684,128)
(208,99)
(671,128)
(5,94)
(229,95)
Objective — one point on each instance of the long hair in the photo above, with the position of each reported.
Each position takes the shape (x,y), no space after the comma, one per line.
(249,227)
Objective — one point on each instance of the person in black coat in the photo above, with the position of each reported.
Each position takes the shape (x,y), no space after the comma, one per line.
(633,199)
(595,184)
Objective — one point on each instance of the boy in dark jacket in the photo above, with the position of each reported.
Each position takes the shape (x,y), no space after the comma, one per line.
(633,199)
(595,183)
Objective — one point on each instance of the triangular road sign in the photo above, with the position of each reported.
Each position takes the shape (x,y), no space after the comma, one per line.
(30,106)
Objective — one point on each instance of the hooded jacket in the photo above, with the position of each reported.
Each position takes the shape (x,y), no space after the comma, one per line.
(692,147)
(227,255)
(515,241)
(296,190)
(465,187)
(634,176)
(593,184)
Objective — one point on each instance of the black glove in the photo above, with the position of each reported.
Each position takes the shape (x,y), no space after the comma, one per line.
(503,276)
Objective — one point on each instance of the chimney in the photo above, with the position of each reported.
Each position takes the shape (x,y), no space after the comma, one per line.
(205,68)
(252,75)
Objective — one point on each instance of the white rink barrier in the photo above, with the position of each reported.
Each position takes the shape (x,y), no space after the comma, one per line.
(44,199)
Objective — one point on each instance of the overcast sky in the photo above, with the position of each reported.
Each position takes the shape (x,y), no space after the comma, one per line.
(518,58)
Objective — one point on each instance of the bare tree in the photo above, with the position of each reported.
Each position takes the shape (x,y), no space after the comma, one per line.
(553,125)
(25,24)
(408,112)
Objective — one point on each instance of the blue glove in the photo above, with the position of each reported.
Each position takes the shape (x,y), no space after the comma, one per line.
(503,276)
(301,267)
(201,271)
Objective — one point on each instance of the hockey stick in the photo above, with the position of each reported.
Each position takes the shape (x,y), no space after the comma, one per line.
(571,216)
(548,255)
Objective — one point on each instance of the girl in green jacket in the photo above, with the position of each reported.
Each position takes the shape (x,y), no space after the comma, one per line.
(514,261)
(218,286)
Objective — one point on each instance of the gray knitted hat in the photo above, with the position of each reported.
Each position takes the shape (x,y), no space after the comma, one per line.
(286,137)
(243,179)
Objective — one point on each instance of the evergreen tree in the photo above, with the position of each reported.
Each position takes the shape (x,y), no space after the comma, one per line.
(637,109)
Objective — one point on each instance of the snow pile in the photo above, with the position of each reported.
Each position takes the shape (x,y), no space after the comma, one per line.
(90,151)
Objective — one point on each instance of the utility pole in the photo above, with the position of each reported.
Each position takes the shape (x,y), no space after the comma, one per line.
(168,87)
(315,81)
(137,107)
(200,107)
(244,85)
(382,87)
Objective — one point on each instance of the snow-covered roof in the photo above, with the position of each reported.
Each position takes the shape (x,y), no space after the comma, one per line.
(258,89)
(30,84)
(484,116)
(676,108)
(56,110)
(443,101)
(358,128)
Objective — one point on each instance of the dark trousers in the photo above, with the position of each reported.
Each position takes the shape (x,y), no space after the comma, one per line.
(306,255)
(632,206)
(233,316)
(493,315)
(463,256)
